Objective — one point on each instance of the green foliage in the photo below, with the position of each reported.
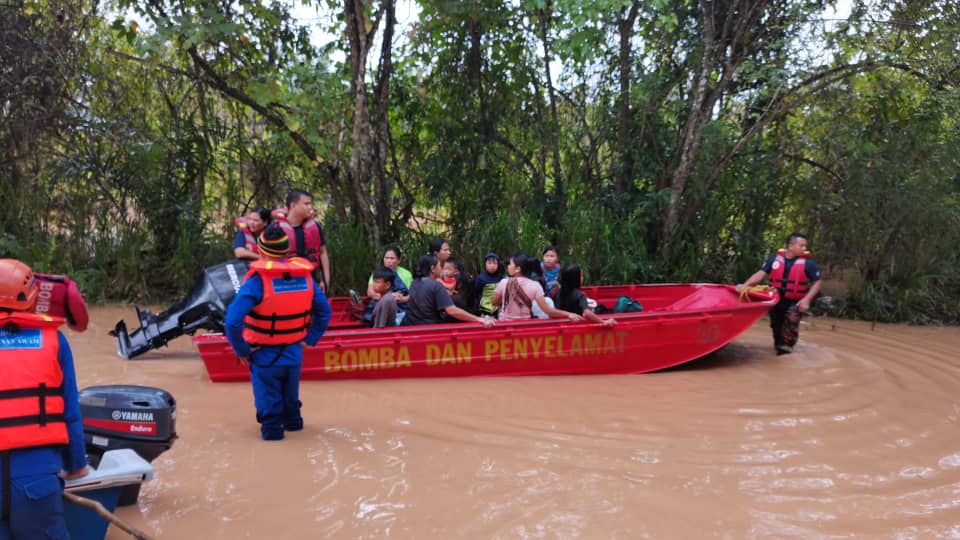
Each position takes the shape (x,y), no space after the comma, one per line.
(129,148)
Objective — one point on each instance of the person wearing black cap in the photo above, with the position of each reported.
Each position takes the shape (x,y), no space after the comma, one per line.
(278,306)
(486,282)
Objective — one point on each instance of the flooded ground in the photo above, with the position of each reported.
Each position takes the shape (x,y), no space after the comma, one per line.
(854,435)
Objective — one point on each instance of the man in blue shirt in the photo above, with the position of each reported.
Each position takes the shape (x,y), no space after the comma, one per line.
(278,307)
(796,277)
(41,431)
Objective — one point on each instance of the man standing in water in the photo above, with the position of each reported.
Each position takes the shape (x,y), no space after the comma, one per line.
(797,278)
(41,431)
(305,234)
(278,307)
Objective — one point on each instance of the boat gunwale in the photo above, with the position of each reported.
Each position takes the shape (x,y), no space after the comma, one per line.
(446,328)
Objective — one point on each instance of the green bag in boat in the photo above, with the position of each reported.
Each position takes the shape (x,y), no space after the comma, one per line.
(627,305)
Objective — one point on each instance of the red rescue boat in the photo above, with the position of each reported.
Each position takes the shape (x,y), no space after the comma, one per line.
(678,323)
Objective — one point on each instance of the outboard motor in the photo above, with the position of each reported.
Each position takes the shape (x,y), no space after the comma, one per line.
(204,308)
(140,418)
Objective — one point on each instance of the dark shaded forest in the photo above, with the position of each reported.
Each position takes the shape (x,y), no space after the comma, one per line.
(666,140)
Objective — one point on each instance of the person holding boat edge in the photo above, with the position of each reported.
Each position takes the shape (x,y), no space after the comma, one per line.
(278,307)
(41,430)
(429,299)
(796,277)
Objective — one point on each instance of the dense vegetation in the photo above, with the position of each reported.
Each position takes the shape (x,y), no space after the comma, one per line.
(664,140)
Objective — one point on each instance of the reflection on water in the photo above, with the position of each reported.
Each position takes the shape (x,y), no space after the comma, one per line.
(854,435)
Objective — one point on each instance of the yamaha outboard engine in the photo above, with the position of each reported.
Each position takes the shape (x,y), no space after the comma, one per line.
(140,418)
(205,307)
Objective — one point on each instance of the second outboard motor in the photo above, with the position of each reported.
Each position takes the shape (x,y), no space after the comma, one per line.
(204,308)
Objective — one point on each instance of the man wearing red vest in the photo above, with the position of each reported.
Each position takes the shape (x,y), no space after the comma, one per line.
(278,307)
(41,431)
(304,233)
(796,277)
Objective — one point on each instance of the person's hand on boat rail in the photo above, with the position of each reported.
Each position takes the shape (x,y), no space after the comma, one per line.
(79,473)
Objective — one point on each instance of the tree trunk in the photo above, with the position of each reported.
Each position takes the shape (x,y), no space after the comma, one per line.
(381,128)
(624,172)
(553,212)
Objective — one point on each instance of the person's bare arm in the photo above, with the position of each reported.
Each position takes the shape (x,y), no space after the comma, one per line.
(464,316)
(804,304)
(374,295)
(325,265)
(244,253)
(590,315)
(497,298)
(752,280)
(555,313)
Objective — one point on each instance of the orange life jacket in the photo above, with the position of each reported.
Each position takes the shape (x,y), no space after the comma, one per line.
(31,382)
(59,296)
(794,286)
(311,238)
(248,237)
(283,315)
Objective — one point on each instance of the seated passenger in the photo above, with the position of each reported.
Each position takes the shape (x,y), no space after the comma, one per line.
(248,228)
(457,282)
(516,295)
(571,298)
(384,304)
(429,299)
(440,249)
(550,269)
(486,283)
(391,259)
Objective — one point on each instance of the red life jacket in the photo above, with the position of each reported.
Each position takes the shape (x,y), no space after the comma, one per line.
(311,237)
(59,296)
(283,315)
(31,382)
(795,285)
(248,236)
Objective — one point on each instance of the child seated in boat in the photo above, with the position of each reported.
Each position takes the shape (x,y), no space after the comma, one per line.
(387,290)
(571,298)
(486,283)
(391,259)
(516,295)
(457,282)
(550,269)
(429,299)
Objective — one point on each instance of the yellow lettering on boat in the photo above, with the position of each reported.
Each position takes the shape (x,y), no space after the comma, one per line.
(520,348)
(433,355)
(464,352)
(622,335)
(386,358)
(368,359)
(505,351)
(560,351)
(549,344)
(448,355)
(403,357)
(490,347)
(348,360)
(592,343)
(610,343)
(331,361)
(536,346)
(576,345)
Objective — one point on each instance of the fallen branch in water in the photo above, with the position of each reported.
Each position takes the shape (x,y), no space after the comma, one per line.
(105,514)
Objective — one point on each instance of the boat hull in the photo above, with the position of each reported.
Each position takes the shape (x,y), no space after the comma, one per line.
(679,323)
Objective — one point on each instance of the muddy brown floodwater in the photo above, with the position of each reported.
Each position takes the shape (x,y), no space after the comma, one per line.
(853,436)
